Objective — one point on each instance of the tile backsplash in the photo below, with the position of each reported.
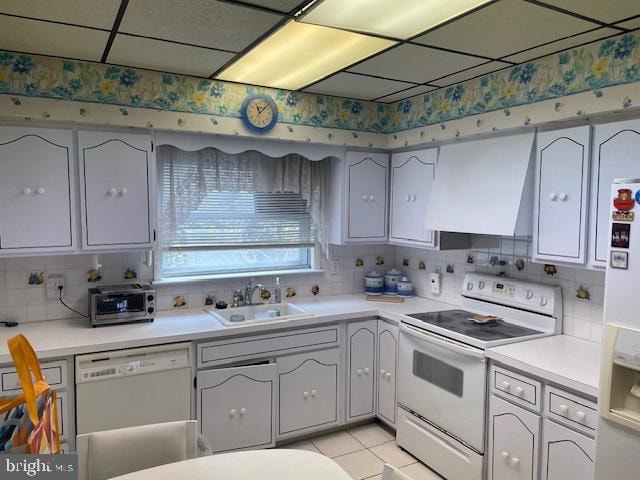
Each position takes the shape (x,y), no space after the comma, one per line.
(24,302)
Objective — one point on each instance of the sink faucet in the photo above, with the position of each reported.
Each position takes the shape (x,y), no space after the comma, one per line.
(249,290)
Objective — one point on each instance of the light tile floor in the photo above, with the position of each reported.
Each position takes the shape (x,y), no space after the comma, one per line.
(362,451)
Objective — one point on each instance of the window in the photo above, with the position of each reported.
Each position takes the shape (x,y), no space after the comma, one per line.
(223,213)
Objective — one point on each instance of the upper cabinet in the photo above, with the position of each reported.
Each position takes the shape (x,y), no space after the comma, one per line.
(36,190)
(561,196)
(359,198)
(116,190)
(615,155)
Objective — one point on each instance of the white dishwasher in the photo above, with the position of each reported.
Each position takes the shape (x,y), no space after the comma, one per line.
(124,388)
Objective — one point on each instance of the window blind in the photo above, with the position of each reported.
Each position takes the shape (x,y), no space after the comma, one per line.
(211,200)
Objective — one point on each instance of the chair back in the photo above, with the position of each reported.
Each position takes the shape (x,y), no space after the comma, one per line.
(107,454)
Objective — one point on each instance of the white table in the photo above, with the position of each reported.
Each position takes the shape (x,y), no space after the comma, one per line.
(250,465)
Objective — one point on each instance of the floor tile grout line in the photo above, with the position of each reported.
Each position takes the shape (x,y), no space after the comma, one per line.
(349,453)
(384,461)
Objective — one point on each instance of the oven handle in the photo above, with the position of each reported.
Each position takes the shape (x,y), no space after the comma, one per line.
(439,341)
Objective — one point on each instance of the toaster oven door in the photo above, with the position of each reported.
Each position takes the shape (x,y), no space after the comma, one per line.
(116,307)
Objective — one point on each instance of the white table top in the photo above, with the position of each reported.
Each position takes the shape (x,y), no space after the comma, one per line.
(250,465)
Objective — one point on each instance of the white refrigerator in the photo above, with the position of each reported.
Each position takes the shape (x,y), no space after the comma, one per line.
(618,436)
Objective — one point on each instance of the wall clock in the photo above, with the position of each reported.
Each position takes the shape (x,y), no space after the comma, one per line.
(259,113)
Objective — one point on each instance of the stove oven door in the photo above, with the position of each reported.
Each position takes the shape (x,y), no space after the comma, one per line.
(445,382)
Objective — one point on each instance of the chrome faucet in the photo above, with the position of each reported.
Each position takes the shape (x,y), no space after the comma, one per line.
(249,291)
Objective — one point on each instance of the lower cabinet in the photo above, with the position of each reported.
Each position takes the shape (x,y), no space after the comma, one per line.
(235,407)
(361,369)
(386,365)
(308,392)
(566,455)
(514,434)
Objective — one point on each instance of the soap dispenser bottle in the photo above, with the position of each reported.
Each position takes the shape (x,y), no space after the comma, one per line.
(277,291)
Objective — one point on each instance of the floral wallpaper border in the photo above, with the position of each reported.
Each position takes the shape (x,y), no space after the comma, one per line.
(108,94)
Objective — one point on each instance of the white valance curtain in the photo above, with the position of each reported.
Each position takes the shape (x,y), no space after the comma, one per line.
(212,199)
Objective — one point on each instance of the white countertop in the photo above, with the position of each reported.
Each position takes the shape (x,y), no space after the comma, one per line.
(60,338)
(568,361)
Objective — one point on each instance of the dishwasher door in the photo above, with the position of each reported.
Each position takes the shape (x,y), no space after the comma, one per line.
(132,387)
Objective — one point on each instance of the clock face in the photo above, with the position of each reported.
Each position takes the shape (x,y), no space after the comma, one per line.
(259,112)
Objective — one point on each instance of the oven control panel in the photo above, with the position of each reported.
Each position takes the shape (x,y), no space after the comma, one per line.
(504,289)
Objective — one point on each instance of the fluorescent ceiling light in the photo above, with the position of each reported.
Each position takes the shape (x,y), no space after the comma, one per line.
(397,19)
(299,54)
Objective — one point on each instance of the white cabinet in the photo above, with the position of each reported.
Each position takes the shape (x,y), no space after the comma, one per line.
(615,155)
(359,198)
(561,196)
(361,369)
(566,455)
(308,392)
(387,361)
(412,175)
(116,172)
(235,407)
(514,434)
(36,190)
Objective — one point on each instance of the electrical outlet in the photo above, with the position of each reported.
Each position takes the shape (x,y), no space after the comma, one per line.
(54,282)
(335,267)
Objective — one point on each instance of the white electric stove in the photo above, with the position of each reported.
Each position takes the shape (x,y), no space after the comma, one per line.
(442,378)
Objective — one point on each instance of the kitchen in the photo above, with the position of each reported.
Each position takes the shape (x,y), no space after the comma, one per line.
(426,237)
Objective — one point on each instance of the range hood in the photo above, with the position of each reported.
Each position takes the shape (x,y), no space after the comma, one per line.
(484,187)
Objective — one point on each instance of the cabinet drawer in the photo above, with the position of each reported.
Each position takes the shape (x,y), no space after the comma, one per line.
(517,388)
(239,349)
(55,373)
(571,410)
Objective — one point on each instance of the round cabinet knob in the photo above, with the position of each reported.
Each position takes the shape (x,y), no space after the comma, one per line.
(26,191)
(123,192)
(506,385)
(408,198)
(469,285)
(515,461)
(232,412)
(387,375)
(519,390)
(564,409)
(543,301)
(314,392)
(481,284)
(371,199)
(40,190)
(365,197)
(112,191)
(366,370)
(552,197)
(243,411)
(413,198)
(359,371)
(382,372)
(563,196)
(305,394)
(505,454)
(581,415)
(529,294)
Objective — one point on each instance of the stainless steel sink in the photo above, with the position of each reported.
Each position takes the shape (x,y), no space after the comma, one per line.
(252,314)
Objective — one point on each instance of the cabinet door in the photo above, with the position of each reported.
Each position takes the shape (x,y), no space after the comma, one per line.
(566,455)
(308,391)
(615,155)
(562,172)
(367,179)
(387,357)
(235,407)
(412,175)
(513,442)
(116,175)
(361,341)
(36,190)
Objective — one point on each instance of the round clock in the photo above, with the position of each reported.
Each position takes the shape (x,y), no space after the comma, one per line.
(259,113)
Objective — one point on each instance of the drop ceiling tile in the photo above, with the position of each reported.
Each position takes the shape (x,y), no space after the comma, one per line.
(504,28)
(284,6)
(414,63)
(603,10)
(630,24)
(411,92)
(165,56)
(351,85)
(560,45)
(92,13)
(45,38)
(199,22)
(470,73)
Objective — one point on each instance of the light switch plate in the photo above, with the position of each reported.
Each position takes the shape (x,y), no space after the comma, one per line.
(54,282)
